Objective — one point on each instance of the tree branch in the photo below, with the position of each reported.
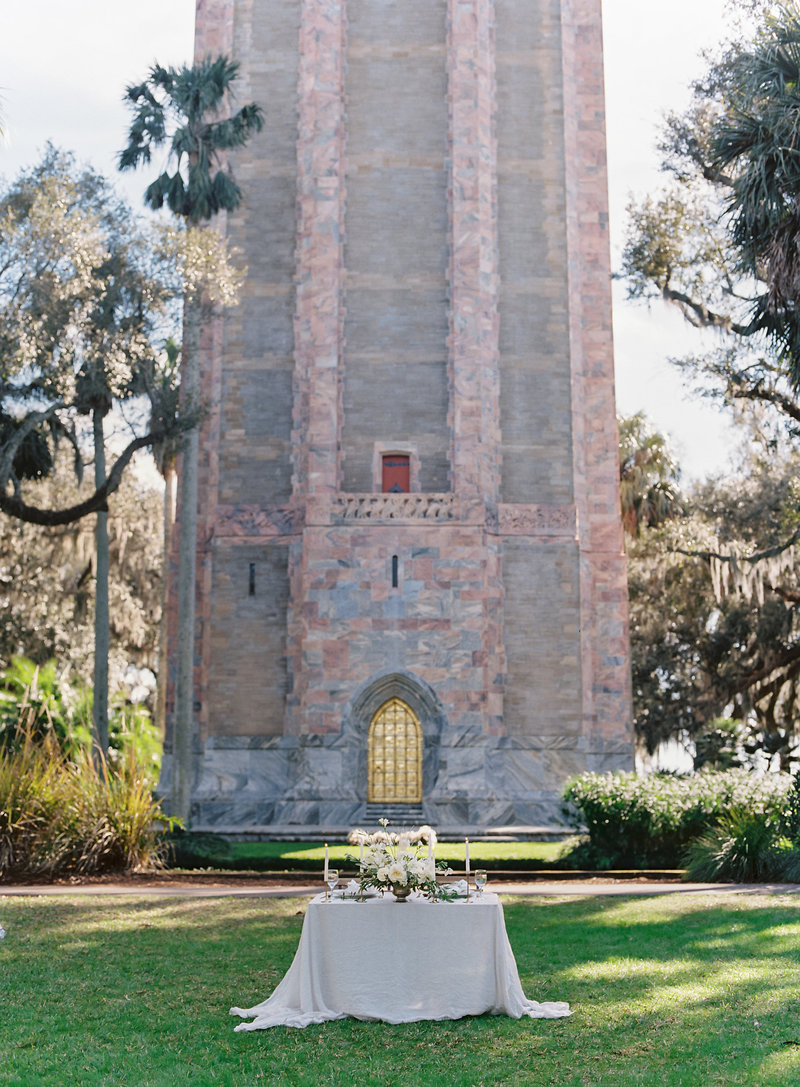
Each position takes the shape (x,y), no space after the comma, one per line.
(768,553)
(15,507)
(745,682)
(773,688)
(770,396)
(703,316)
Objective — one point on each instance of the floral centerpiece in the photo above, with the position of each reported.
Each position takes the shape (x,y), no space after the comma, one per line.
(400,863)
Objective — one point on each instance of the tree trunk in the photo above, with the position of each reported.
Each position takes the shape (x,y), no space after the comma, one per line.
(163,657)
(101,619)
(183,729)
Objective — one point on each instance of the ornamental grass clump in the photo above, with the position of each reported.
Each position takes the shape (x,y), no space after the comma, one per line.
(62,815)
(633,821)
(743,846)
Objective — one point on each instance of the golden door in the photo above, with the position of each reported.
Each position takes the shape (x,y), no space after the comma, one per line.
(394,755)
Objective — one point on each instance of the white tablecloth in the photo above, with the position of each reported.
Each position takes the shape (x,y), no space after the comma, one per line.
(399,962)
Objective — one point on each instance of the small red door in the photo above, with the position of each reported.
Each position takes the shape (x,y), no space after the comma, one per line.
(396,476)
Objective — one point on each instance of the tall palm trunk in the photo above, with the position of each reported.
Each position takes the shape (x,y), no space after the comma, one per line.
(168,471)
(183,732)
(101,611)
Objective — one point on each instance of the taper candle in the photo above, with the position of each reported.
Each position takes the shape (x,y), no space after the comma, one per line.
(325,874)
(466,846)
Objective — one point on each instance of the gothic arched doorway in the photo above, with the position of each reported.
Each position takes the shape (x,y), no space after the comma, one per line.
(394,755)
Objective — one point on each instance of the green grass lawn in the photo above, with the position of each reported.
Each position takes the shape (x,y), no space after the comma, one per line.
(676,990)
(308,856)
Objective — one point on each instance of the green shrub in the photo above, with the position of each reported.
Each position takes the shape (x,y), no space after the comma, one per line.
(635,822)
(36,700)
(743,846)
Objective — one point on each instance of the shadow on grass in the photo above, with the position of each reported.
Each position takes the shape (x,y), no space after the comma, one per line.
(669,991)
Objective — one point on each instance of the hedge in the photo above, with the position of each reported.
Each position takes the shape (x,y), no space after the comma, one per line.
(634,821)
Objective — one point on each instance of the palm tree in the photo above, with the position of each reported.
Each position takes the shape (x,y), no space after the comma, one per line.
(182,110)
(163,396)
(756,145)
(648,476)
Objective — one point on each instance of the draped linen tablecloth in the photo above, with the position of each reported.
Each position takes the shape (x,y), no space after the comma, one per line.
(399,962)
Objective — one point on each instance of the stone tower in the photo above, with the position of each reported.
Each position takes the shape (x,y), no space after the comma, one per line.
(411,584)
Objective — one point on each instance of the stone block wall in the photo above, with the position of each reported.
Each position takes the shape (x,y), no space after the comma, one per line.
(425,228)
(534,303)
(394,351)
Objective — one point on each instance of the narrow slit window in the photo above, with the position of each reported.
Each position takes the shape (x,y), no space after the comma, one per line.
(251,580)
(395,571)
(396,473)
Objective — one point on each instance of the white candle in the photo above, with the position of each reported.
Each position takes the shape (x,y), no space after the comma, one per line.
(325,874)
(466,846)
(430,847)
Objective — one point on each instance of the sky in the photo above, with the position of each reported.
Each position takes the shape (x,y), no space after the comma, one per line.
(65,63)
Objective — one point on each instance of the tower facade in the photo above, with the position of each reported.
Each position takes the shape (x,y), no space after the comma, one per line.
(411,583)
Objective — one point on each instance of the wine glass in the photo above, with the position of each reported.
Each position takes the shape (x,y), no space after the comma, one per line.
(480,880)
(332,880)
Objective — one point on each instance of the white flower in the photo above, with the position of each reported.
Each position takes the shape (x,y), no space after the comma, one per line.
(397,874)
(427,834)
(403,843)
(383,874)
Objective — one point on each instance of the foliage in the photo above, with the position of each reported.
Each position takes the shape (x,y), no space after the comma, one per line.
(750,845)
(35,703)
(180,108)
(754,145)
(47,583)
(665,989)
(61,815)
(187,111)
(85,309)
(635,821)
(720,243)
(717,641)
(648,476)
(742,846)
(40,706)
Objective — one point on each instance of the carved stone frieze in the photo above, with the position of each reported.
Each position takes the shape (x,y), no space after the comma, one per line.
(247,520)
(392,508)
(536,520)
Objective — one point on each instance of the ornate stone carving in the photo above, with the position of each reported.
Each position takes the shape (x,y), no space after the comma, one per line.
(381,508)
(258,521)
(519,520)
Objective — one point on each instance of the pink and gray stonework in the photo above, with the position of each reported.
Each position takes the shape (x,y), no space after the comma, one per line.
(425,229)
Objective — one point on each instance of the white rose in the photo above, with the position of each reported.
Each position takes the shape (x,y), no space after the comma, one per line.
(397,874)
(383,874)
